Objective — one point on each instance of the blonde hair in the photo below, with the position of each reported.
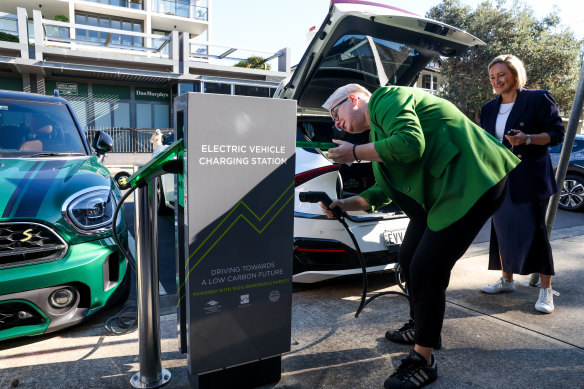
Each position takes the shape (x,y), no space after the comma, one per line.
(343,92)
(515,66)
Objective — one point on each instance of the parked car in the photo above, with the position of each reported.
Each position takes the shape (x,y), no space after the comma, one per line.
(572,196)
(58,262)
(373,45)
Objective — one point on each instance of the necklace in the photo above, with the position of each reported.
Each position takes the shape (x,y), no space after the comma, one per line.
(510,108)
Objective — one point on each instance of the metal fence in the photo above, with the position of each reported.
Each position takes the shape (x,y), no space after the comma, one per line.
(131,140)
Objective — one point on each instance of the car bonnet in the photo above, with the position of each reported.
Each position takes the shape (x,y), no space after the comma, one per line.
(37,188)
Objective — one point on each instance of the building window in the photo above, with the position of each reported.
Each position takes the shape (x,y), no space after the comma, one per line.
(250,90)
(429,82)
(152,115)
(215,87)
(80,109)
(9,26)
(156,43)
(109,22)
(111,114)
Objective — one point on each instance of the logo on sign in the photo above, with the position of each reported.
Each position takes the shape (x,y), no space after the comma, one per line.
(274,296)
(244,299)
(212,307)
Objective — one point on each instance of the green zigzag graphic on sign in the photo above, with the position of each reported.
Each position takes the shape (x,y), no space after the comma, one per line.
(241,204)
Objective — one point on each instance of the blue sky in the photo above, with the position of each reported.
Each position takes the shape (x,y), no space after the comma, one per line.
(270,25)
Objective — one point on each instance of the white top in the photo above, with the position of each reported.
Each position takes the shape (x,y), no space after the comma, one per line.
(504,111)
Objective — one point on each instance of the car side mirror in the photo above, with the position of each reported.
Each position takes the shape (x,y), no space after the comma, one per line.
(102,143)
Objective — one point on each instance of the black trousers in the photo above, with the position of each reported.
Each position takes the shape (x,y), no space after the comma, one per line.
(427,258)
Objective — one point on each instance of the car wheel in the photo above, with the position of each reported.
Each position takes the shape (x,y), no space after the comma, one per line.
(572,196)
(163,209)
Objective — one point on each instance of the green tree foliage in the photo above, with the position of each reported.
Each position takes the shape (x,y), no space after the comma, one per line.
(253,62)
(549,51)
(8,37)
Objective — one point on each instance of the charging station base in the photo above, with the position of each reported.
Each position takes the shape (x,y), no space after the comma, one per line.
(249,375)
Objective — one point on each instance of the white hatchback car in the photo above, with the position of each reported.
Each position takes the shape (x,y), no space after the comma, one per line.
(373,45)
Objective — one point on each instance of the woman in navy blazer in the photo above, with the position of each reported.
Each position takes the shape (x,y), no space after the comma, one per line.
(527,122)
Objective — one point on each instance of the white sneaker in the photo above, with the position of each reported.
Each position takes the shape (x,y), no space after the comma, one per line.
(545,302)
(500,286)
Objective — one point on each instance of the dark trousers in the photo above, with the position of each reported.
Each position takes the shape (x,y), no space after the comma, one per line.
(427,258)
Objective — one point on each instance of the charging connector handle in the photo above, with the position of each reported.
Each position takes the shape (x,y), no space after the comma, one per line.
(315,197)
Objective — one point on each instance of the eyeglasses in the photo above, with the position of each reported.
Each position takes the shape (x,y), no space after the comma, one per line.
(334,109)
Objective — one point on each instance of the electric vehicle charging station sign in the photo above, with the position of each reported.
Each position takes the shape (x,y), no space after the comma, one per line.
(239,205)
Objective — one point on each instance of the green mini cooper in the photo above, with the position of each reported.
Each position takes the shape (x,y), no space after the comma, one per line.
(58,261)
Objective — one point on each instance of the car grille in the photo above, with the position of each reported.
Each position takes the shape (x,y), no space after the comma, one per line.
(16,314)
(24,244)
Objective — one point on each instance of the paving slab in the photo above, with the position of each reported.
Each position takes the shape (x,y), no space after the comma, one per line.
(488,341)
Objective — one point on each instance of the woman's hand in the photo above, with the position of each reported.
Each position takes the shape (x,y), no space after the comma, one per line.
(343,153)
(353,203)
(517,139)
(327,210)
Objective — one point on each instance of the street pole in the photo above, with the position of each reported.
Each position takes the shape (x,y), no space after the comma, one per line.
(151,374)
(562,168)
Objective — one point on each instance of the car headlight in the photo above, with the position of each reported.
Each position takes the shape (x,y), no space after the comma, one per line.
(92,210)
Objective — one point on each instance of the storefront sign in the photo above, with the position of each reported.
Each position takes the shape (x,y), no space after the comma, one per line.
(152,94)
(66,88)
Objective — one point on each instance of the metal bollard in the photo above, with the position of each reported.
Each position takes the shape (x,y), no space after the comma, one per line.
(151,374)
(564,161)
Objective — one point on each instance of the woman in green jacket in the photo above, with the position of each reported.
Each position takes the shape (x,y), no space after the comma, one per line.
(446,173)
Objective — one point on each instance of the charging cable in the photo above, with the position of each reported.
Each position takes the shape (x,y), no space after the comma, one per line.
(315,197)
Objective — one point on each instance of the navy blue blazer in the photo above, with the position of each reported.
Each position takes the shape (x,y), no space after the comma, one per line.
(534,112)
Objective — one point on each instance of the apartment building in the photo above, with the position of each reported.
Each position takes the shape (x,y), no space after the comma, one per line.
(121,62)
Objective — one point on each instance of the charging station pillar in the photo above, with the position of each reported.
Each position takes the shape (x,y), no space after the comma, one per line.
(236,291)
(151,374)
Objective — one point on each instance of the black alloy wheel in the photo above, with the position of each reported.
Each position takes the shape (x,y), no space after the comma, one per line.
(572,196)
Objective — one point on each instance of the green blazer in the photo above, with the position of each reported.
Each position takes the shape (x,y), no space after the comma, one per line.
(432,153)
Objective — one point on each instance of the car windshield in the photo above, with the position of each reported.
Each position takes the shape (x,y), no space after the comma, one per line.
(37,128)
(355,58)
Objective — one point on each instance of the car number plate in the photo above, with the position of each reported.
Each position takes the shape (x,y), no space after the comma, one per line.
(394,237)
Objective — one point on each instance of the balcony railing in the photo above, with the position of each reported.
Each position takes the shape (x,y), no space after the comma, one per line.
(130,140)
(134,4)
(184,9)
(212,52)
(59,33)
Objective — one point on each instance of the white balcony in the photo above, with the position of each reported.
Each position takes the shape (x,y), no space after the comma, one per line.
(55,41)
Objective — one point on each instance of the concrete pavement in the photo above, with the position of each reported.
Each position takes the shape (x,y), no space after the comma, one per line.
(488,341)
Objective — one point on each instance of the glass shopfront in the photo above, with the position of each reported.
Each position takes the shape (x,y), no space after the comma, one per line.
(105,106)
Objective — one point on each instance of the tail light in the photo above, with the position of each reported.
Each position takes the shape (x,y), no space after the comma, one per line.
(311,174)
